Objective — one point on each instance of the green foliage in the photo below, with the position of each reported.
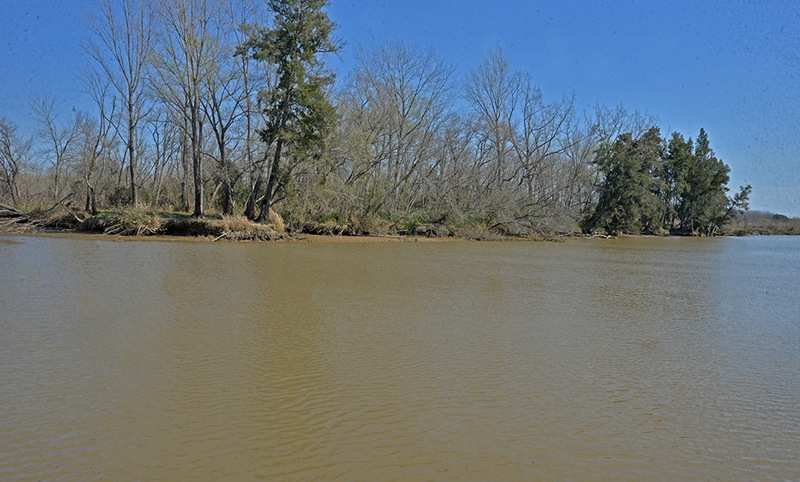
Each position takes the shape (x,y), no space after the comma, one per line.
(741,200)
(704,204)
(297,108)
(675,174)
(298,114)
(651,188)
(628,201)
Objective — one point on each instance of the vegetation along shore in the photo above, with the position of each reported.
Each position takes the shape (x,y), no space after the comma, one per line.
(214,123)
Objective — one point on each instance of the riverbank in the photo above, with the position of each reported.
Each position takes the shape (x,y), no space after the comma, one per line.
(166,225)
(141,224)
(285,238)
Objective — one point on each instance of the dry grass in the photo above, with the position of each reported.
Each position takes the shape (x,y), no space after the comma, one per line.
(476,232)
(236,228)
(128,222)
(276,221)
(144,222)
(240,228)
(134,222)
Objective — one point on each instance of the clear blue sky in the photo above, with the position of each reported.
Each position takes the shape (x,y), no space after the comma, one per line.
(731,66)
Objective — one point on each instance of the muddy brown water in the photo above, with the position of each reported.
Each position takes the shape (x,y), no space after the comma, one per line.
(633,359)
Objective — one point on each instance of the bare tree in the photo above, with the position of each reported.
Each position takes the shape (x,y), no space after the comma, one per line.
(184,56)
(225,102)
(538,144)
(166,138)
(241,15)
(222,105)
(123,35)
(492,91)
(14,154)
(402,98)
(96,138)
(59,140)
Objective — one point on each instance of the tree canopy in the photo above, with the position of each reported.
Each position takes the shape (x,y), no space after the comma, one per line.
(651,186)
(297,110)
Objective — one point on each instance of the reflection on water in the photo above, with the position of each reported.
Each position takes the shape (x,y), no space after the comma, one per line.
(627,359)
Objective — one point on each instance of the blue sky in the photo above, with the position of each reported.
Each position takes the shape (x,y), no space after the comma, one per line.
(732,66)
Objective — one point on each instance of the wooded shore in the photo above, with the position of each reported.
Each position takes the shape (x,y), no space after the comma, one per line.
(144,223)
(257,124)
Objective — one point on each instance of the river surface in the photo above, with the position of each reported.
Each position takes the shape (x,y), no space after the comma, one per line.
(631,359)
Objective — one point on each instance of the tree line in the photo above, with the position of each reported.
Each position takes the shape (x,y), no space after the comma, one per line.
(226,106)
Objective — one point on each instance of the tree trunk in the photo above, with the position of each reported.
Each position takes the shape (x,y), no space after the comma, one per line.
(250,207)
(13,189)
(274,172)
(185,170)
(196,140)
(157,174)
(132,152)
(197,166)
(227,190)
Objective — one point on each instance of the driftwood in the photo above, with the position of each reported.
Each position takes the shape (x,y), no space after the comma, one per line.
(59,203)
(71,212)
(13,217)
(9,212)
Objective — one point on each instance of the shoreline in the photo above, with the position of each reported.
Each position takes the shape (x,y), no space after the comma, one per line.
(300,238)
(144,225)
(287,239)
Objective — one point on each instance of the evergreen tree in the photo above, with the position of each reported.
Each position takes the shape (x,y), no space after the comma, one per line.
(628,200)
(297,108)
(704,203)
(679,153)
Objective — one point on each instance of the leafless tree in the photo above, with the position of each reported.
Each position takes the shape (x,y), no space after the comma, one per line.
(538,143)
(123,37)
(96,138)
(401,97)
(14,155)
(225,102)
(492,91)
(184,57)
(240,16)
(165,135)
(58,139)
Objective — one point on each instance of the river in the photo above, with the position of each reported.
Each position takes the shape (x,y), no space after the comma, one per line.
(629,359)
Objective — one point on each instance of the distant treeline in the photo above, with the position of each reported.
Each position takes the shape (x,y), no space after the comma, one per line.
(226,106)
(758,222)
